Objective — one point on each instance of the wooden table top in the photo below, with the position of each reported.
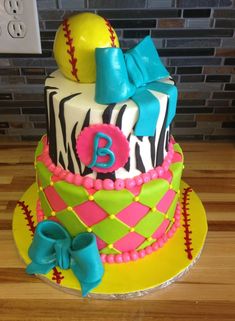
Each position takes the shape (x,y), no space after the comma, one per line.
(207,292)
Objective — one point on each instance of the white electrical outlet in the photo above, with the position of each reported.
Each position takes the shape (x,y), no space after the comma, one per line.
(14,6)
(19,27)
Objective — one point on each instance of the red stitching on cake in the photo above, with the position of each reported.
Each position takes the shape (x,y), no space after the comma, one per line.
(111,31)
(57,276)
(28,216)
(71,50)
(186,225)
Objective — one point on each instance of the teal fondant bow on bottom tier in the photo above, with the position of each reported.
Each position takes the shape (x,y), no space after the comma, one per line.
(133,75)
(53,246)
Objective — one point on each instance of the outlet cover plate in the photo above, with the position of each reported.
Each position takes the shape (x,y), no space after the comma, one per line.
(28,15)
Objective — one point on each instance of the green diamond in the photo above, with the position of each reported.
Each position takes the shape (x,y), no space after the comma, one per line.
(71,222)
(71,194)
(110,230)
(107,250)
(113,201)
(45,204)
(148,225)
(39,149)
(176,169)
(153,192)
(171,210)
(44,174)
(177,149)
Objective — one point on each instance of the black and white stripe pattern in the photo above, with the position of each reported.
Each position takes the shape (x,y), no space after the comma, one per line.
(68,115)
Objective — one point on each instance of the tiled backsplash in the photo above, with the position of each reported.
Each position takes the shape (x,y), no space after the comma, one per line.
(195,39)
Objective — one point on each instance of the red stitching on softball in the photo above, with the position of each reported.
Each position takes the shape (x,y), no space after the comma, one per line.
(111,31)
(57,276)
(28,216)
(186,225)
(71,50)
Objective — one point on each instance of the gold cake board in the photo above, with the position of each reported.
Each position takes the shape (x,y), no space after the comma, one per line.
(134,278)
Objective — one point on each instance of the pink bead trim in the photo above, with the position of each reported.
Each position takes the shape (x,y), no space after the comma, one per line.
(39,212)
(135,255)
(106,184)
(132,255)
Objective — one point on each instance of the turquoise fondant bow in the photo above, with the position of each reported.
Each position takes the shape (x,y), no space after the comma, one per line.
(133,75)
(53,246)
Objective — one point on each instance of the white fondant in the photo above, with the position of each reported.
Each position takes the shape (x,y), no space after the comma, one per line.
(75,110)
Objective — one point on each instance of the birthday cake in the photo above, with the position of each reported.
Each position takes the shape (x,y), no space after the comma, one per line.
(108,170)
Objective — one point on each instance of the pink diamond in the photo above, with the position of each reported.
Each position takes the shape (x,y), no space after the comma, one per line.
(177,158)
(129,242)
(166,201)
(100,243)
(167,176)
(90,213)
(56,202)
(133,213)
(161,229)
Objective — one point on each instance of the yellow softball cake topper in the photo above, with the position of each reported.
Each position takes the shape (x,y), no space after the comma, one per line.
(75,43)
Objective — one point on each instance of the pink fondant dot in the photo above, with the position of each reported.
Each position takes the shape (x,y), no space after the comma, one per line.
(119,184)
(103,257)
(47,161)
(148,250)
(108,184)
(126,257)
(110,258)
(153,174)
(177,223)
(98,184)
(77,179)
(139,180)
(168,160)
(170,234)
(134,255)
(141,254)
(130,183)
(51,167)
(63,174)
(164,238)
(146,177)
(155,246)
(173,228)
(160,242)
(165,166)
(160,171)
(177,216)
(118,258)
(57,170)
(88,182)
(69,178)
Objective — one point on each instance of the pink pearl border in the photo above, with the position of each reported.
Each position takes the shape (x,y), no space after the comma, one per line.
(131,255)
(135,255)
(106,184)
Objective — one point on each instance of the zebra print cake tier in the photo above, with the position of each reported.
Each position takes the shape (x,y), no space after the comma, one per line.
(71,107)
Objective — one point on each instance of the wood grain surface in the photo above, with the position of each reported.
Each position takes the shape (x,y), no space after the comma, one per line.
(207,292)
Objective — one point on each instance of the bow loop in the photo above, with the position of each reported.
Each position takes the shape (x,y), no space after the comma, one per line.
(122,76)
(143,63)
(52,245)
